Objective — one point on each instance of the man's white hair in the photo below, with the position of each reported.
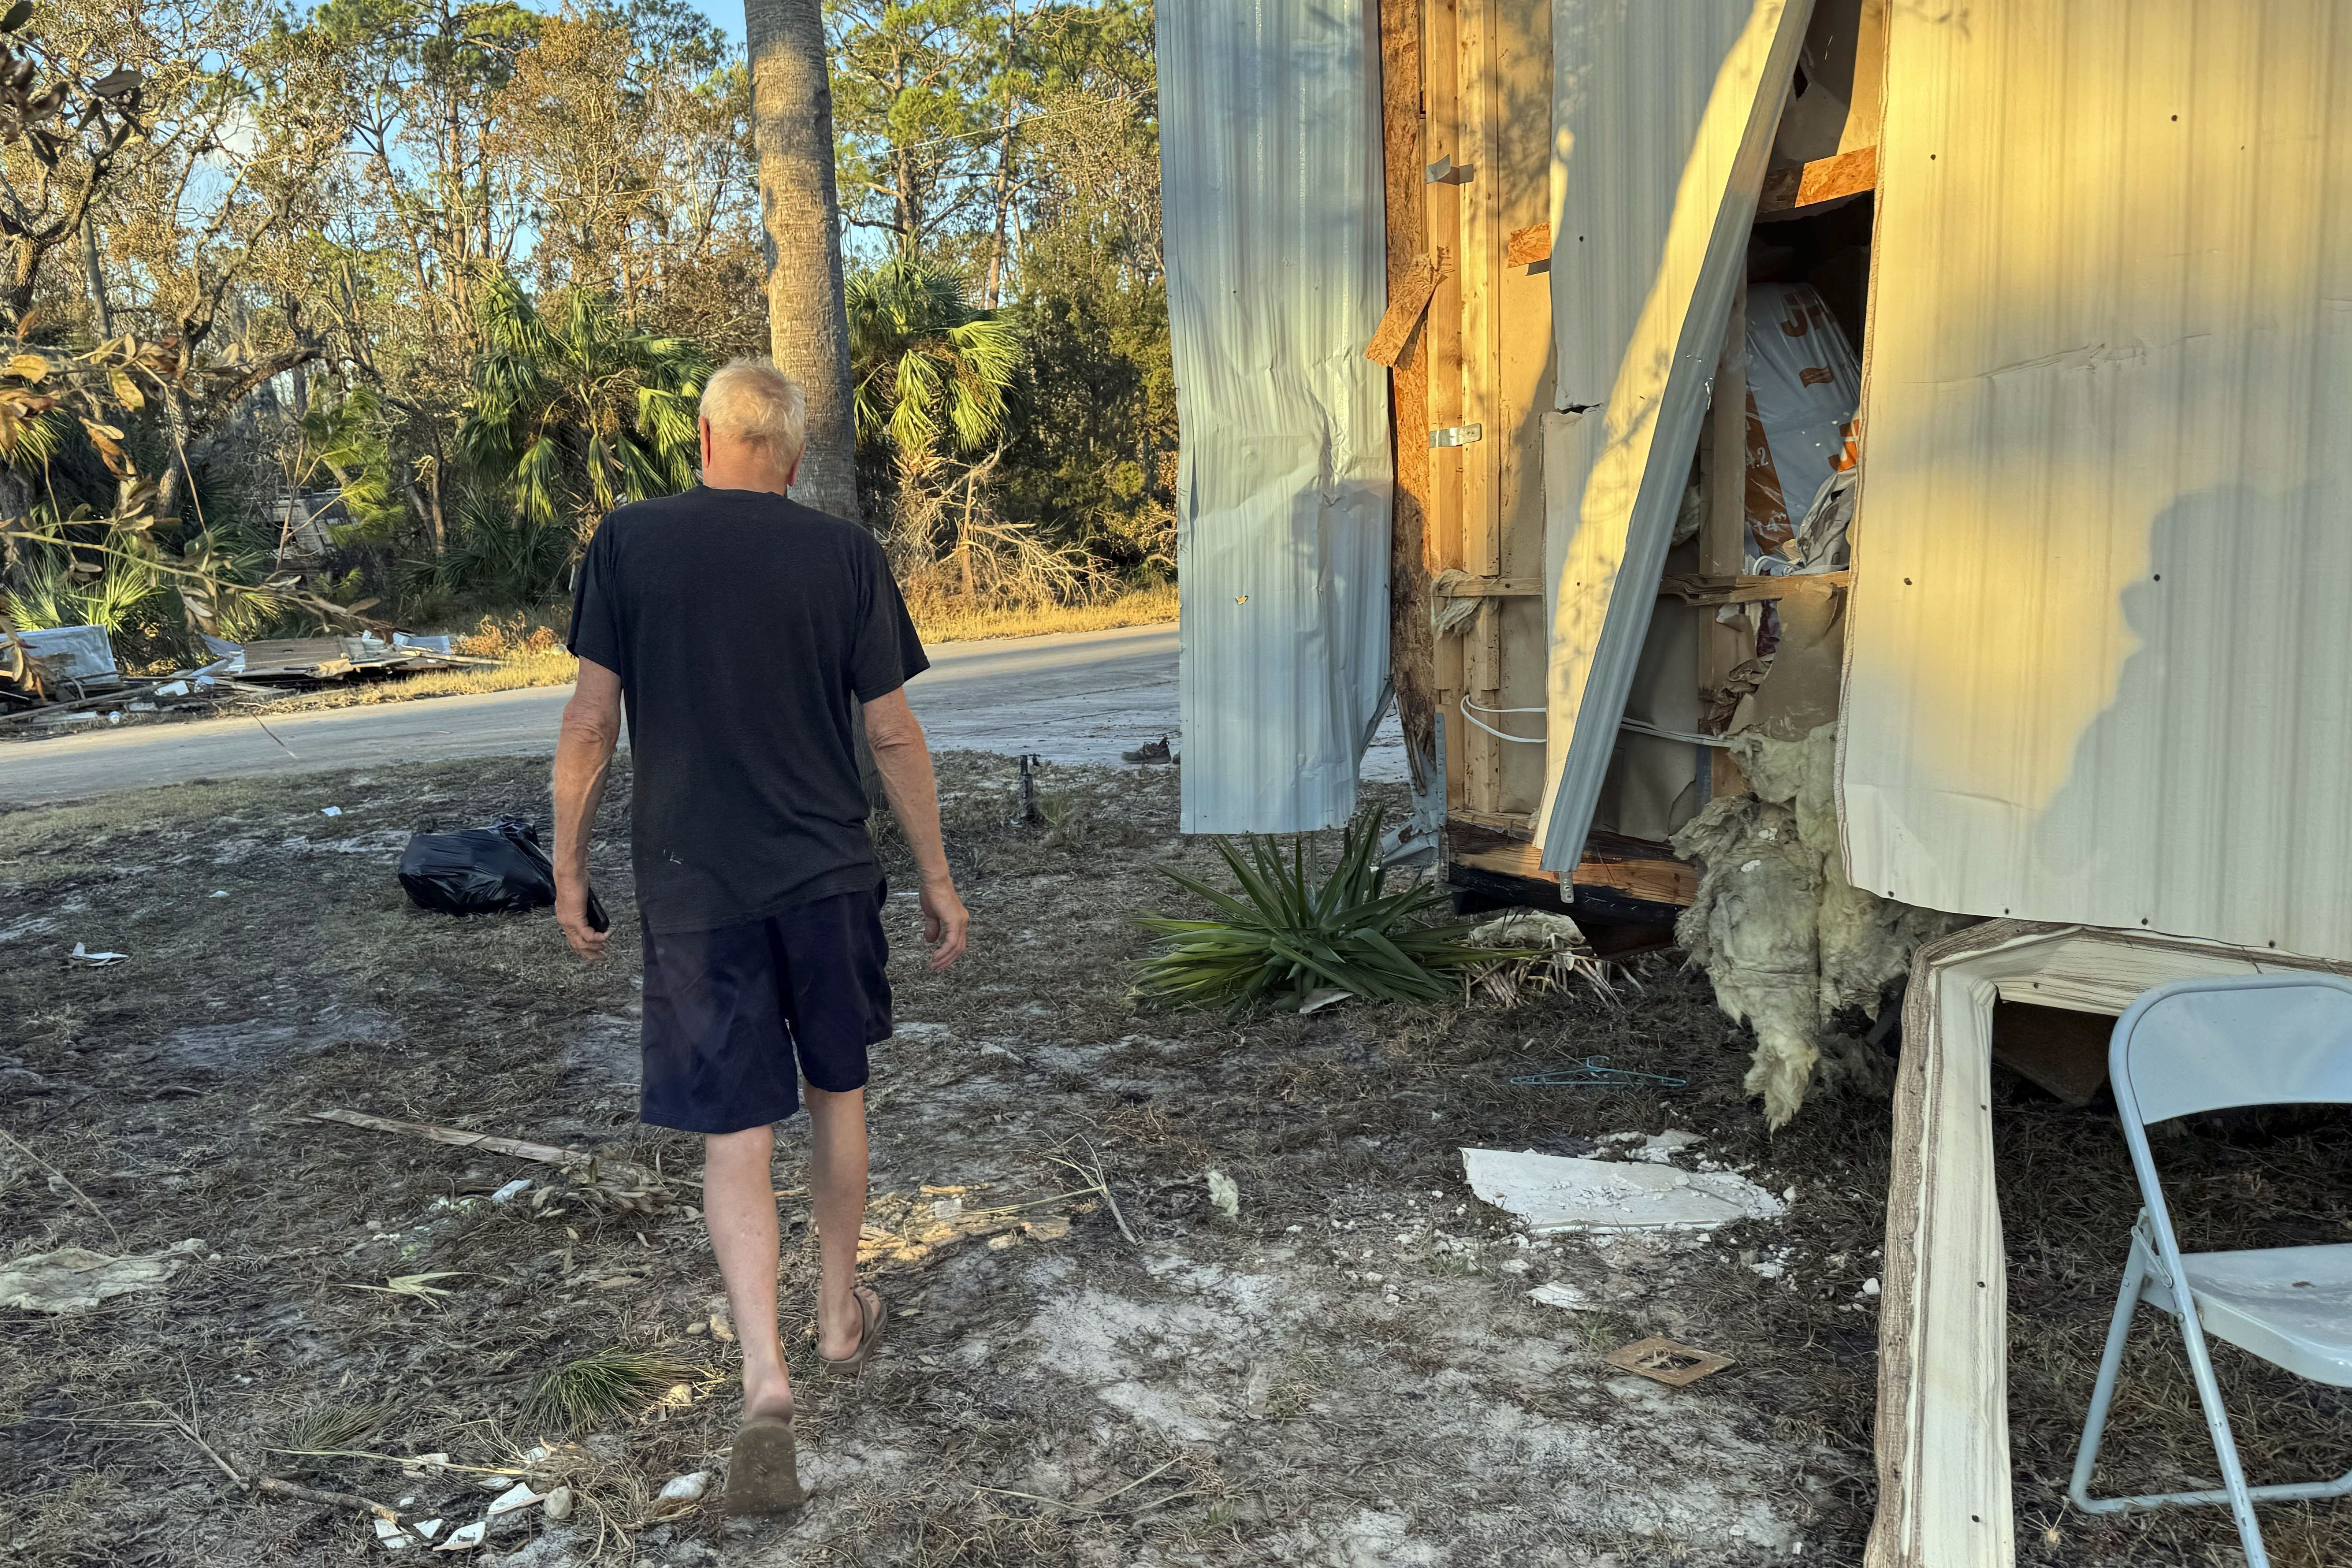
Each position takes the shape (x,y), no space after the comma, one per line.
(750,400)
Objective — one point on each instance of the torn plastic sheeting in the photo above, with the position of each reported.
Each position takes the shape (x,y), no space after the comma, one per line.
(76,1280)
(1270,153)
(1803,384)
(1554,1194)
(1663,117)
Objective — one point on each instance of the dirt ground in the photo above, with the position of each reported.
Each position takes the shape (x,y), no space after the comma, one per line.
(1350,1372)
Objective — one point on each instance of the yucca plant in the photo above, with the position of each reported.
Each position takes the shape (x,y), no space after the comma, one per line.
(1293,927)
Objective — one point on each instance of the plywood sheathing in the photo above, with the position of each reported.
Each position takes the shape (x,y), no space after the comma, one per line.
(1943,1390)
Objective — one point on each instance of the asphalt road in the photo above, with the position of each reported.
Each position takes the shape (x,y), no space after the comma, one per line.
(1077,697)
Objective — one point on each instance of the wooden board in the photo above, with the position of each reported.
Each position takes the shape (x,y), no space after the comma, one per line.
(1709,588)
(1528,246)
(1407,302)
(1629,869)
(1792,190)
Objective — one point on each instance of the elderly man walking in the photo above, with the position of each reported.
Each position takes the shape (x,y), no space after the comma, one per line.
(741,632)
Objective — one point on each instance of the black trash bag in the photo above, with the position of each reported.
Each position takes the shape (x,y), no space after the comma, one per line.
(484,870)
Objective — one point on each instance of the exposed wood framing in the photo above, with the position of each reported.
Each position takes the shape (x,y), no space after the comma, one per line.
(1477,90)
(1789,191)
(1722,530)
(1440,204)
(1489,587)
(1613,867)
(1413,278)
(1738,590)
(1943,1391)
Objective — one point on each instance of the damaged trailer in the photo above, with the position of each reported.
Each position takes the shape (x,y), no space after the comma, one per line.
(1862,492)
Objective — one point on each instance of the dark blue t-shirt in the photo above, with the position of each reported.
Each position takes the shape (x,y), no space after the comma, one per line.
(743,626)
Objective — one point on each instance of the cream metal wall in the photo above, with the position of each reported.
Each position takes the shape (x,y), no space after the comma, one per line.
(1662,122)
(1271,188)
(2096,659)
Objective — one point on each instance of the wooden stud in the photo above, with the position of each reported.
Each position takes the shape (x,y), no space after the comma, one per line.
(1723,531)
(1413,282)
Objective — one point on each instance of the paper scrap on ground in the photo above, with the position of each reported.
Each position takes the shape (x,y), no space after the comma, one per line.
(1553,1193)
(75,1280)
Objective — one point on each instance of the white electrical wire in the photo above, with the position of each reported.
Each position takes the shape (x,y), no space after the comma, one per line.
(1523,740)
(1684,736)
(1636,725)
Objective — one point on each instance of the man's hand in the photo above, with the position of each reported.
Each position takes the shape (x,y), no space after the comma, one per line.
(572,914)
(584,749)
(944,924)
(904,760)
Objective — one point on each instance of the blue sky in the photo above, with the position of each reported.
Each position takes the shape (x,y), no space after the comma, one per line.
(727,14)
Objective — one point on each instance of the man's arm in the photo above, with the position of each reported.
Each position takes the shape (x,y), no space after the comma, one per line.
(583,753)
(904,760)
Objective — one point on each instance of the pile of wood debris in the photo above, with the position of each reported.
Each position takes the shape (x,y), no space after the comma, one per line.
(69,675)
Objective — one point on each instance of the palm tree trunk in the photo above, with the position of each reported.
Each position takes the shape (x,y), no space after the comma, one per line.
(808,326)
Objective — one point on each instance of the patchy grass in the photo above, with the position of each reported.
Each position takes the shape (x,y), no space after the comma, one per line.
(948,621)
(1349,1369)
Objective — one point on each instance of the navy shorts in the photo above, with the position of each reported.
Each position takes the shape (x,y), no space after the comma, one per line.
(727,1012)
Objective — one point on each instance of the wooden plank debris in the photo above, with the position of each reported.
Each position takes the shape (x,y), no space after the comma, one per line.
(1407,302)
(1528,246)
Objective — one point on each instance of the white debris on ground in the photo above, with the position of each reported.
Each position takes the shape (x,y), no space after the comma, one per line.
(76,1280)
(1553,1193)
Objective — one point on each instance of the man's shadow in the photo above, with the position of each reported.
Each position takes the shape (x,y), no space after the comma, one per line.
(2210,794)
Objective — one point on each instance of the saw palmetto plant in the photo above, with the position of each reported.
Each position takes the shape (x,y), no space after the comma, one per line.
(1292,928)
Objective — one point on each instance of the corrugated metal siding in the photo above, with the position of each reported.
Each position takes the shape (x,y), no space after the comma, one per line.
(1271,188)
(1662,120)
(2096,659)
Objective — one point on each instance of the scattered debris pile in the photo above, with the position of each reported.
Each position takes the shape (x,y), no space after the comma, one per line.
(69,675)
(1786,939)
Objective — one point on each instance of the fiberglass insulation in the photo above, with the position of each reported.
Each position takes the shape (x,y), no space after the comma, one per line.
(1786,939)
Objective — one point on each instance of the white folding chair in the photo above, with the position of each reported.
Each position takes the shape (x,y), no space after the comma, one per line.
(2183,1049)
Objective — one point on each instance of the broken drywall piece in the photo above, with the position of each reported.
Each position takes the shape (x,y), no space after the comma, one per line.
(1785,938)
(1553,1193)
(76,1280)
(1567,1298)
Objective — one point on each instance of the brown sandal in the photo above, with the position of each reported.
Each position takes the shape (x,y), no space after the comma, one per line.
(763,1475)
(852,1364)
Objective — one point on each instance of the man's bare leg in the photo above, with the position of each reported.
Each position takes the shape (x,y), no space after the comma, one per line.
(837,1173)
(739,1202)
